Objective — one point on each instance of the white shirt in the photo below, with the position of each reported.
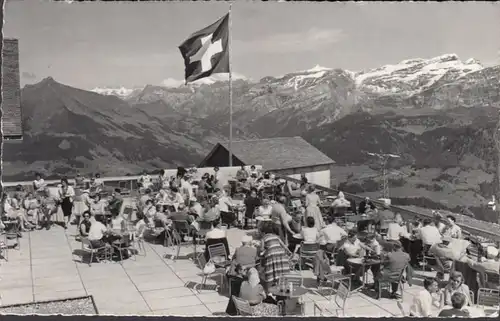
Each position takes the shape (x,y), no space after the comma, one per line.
(422,304)
(146,181)
(331,234)
(70,192)
(96,231)
(223,203)
(350,248)
(396,231)
(39,184)
(186,189)
(430,235)
(216,233)
(309,234)
(265,211)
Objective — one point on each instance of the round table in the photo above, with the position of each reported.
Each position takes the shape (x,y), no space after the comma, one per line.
(296,292)
(363,263)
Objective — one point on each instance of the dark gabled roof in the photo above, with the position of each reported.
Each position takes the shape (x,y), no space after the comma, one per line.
(277,153)
(11,91)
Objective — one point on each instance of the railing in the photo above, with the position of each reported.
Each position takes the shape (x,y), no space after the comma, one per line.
(490,231)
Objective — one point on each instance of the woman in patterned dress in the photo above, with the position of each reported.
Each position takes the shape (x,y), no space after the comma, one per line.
(275,256)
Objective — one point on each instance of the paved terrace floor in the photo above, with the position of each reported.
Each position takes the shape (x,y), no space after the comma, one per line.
(46,268)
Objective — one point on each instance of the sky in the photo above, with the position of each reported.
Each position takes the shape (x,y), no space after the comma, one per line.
(131,44)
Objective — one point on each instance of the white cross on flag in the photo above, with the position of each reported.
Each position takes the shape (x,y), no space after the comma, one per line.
(205,51)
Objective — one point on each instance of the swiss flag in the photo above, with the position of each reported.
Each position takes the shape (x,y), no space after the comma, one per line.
(205,51)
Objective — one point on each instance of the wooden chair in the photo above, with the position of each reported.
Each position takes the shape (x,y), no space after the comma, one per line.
(339,300)
(488,297)
(94,251)
(220,272)
(242,306)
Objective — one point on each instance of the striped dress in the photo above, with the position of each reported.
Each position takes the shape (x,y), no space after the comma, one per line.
(276,261)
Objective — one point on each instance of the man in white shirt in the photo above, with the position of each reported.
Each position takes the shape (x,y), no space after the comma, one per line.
(352,246)
(429,234)
(425,301)
(96,233)
(396,230)
(331,234)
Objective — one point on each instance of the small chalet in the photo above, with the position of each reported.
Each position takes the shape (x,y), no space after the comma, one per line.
(289,156)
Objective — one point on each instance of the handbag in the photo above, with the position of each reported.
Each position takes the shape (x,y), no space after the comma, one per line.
(209,268)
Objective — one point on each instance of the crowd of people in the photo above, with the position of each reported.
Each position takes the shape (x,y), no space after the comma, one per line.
(287,216)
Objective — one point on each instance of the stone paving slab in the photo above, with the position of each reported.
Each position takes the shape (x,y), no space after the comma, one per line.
(48,266)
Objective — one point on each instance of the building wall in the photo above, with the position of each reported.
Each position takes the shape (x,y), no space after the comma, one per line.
(319,175)
(11,104)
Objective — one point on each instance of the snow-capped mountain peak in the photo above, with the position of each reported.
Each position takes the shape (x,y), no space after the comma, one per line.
(120,92)
(410,76)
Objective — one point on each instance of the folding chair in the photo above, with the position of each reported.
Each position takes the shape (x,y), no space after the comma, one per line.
(89,249)
(339,299)
(387,282)
(307,252)
(218,255)
(220,272)
(488,297)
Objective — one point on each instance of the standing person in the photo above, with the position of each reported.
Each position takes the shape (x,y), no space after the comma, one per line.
(81,204)
(252,202)
(49,207)
(242,174)
(312,207)
(274,255)
(66,195)
(280,218)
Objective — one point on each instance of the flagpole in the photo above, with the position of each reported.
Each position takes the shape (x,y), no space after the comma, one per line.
(230,91)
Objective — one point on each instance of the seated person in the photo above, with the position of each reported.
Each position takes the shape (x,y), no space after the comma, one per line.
(331,234)
(246,255)
(97,233)
(309,233)
(425,301)
(85,224)
(117,223)
(383,217)
(396,230)
(264,211)
(373,246)
(253,292)
(429,234)
(150,212)
(366,206)
(455,285)
(216,236)
(182,216)
(458,300)
(353,248)
(394,263)
(488,265)
(444,254)
(195,208)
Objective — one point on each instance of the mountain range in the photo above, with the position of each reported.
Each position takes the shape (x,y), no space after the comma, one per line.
(438,114)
